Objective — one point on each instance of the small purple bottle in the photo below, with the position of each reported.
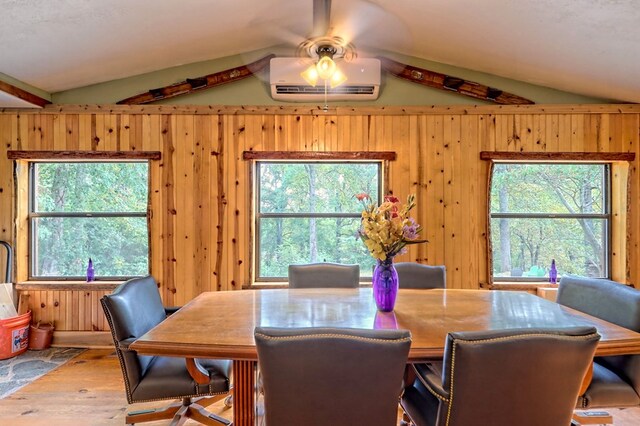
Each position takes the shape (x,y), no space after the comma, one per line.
(553,272)
(90,272)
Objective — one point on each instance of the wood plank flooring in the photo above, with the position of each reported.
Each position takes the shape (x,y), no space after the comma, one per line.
(88,390)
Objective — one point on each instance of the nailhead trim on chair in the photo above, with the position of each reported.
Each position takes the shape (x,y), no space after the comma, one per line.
(583,401)
(126,381)
(336,336)
(497,339)
(118,351)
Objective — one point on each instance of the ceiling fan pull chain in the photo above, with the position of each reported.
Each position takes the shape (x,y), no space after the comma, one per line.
(325,108)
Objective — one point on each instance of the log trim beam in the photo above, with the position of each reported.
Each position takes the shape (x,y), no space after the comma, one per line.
(602,157)
(441,81)
(83,155)
(318,111)
(192,85)
(23,94)
(317,155)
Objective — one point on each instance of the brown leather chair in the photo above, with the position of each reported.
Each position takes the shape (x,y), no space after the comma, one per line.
(417,275)
(133,309)
(324,275)
(525,377)
(616,379)
(326,376)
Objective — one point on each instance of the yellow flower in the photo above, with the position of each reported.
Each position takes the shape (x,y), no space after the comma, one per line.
(388,228)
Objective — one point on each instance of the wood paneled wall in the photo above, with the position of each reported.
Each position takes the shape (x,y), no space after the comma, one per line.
(201,189)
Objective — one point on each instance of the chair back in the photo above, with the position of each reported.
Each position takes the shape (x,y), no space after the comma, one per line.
(326,376)
(133,309)
(416,275)
(324,275)
(604,299)
(533,376)
(610,301)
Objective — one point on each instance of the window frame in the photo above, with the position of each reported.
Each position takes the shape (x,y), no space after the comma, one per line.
(31,216)
(607,216)
(257,215)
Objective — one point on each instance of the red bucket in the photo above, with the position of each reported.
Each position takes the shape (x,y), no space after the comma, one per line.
(40,336)
(14,335)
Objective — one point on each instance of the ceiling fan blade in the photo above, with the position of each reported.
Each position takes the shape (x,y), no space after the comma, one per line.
(321,17)
(370,24)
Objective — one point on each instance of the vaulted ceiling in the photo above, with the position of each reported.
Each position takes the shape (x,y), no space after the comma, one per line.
(588,47)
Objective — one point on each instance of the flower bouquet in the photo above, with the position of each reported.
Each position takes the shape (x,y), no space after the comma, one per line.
(386,230)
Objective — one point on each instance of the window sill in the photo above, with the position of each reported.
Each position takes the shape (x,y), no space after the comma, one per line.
(518,285)
(264,285)
(68,285)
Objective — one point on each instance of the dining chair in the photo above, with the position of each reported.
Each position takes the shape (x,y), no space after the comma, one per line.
(525,377)
(616,379)
(329,376)
(417,275)
(133,309)
(324,275)
(414,275)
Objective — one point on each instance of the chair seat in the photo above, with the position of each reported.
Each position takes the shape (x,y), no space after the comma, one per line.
(168,378)
(607,389)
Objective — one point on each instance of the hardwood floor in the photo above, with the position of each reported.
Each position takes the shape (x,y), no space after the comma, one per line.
(88,390)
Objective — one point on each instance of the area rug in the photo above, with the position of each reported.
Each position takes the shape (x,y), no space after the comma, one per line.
(23,369)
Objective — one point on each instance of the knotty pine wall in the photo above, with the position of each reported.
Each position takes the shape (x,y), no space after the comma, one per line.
(200,196)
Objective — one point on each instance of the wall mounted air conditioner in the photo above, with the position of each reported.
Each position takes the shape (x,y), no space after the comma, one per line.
(363,81)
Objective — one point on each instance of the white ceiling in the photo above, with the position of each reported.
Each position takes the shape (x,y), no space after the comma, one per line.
(589,47)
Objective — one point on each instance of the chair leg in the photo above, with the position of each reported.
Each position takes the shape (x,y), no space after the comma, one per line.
(206,401)
(200,414)
(179,412)
(228,401)
(153,414)
(591,417)
(181,415)
(406,420)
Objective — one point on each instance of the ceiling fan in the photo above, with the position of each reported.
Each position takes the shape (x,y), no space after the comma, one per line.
(324,48)
(319,52)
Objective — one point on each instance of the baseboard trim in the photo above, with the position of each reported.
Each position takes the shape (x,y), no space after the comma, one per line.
(83,339)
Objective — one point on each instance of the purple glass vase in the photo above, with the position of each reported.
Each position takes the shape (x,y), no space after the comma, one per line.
(91,275)
(553,272)
(385,285)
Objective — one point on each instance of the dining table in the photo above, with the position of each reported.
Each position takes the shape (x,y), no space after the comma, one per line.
(221,325)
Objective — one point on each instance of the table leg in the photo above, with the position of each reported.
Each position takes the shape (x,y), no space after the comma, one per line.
(244,394)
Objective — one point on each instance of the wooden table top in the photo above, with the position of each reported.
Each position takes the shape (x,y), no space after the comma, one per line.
(221,324)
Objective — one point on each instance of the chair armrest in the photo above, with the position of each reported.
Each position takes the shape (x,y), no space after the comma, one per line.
(123,345)
(171,310)
(431,380)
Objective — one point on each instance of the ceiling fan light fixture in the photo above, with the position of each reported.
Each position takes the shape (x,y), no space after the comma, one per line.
(337,78)
(325,69)
(310,75)
(326,66)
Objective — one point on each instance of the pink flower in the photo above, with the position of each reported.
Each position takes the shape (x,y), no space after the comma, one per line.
(393,200)
(363,196)
(410,231)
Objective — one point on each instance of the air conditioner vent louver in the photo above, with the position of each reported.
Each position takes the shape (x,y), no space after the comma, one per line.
(363,81)
(342,90)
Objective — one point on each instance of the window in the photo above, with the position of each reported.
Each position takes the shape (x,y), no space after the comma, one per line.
(82,210)
(543,211)
(306,212)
